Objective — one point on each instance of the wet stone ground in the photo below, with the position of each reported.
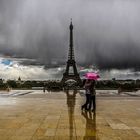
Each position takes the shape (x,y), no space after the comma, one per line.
(34,115)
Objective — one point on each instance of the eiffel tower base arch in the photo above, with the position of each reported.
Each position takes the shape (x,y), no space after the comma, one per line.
(67,77)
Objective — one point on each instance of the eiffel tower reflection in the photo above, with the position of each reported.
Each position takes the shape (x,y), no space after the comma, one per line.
(71,99)
(90,118)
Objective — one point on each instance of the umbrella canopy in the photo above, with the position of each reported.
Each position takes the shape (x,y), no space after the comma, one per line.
(92,76)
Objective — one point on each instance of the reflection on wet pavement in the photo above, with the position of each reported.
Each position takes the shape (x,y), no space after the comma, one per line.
(71,99)
(58,116)
(90,130)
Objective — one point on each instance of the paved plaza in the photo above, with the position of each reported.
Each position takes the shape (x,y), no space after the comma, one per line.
(34,115)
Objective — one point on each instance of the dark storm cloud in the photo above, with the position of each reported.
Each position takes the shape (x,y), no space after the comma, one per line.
(106,32)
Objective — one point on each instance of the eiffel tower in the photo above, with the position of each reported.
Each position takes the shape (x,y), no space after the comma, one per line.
(71,63)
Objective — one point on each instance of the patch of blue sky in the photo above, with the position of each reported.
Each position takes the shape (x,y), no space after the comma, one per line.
(6,62)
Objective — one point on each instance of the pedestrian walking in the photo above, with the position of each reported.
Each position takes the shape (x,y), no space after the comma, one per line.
(44,89)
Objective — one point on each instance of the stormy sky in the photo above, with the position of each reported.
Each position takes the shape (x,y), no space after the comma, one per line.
(106,32)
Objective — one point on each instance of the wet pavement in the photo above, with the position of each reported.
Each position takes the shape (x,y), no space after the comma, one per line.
(34,115)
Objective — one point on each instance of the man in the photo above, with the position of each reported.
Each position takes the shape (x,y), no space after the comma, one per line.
(90,95)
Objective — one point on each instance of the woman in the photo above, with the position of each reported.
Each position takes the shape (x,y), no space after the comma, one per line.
(90,95)
(92,102)
(87,84)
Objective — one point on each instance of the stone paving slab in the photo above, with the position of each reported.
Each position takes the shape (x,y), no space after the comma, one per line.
(58,116)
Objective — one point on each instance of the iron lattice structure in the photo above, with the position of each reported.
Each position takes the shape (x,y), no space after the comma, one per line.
(67,75)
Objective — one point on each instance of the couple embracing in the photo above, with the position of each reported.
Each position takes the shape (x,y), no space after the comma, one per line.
(89,86)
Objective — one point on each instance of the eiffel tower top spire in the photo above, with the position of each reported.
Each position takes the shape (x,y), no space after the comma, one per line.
(71,50)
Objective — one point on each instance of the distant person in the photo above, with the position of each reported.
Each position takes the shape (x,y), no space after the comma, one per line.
(44,89)
(119,90)
(8,89)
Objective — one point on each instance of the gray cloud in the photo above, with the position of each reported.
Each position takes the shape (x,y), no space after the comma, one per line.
(106,32)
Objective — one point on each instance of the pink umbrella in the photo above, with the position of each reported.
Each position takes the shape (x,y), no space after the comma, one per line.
(92,76)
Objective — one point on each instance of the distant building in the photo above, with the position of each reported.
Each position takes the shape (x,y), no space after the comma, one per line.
(19,79)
